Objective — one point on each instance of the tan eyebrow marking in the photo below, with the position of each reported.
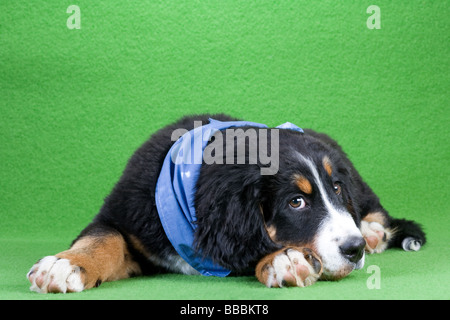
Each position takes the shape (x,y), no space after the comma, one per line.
(303,183)
(327,165)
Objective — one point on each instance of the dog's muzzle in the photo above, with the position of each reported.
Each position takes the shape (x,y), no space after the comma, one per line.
(353,249)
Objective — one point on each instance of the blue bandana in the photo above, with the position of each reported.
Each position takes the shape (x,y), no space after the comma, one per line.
(175,191)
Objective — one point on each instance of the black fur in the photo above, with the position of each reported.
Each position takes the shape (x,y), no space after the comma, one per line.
(235,203)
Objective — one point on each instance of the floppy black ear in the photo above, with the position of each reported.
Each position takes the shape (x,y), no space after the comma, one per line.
(350,194)
(230,225)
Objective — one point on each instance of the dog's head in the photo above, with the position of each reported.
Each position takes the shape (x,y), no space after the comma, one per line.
(309,202)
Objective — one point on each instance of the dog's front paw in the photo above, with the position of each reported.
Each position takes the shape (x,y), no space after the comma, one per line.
(290,267)
(52,274)
(376,236)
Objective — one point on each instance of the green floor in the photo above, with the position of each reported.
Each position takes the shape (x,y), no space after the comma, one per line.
(403,275)
(75,104)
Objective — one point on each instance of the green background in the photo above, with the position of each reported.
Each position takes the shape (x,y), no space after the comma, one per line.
(75,104)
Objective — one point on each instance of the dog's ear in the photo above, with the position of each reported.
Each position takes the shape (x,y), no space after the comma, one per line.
(230,225)
(351,192)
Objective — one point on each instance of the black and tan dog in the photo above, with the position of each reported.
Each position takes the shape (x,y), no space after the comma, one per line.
(314,218)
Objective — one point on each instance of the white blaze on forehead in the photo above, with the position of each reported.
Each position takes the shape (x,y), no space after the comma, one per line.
(334,230)
(329,206)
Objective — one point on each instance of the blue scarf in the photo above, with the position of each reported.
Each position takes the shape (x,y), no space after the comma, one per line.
(175,191)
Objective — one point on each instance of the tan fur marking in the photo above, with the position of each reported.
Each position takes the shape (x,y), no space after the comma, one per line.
(262,271)
(376,217)
(303,184)
(327,165)
(102,258)
(272,232)
(137,244)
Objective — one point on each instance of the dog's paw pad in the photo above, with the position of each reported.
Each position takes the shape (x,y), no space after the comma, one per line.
(291,268)
(376,236)
(52,275)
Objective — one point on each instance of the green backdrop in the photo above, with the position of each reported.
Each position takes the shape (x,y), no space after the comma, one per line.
(76,103)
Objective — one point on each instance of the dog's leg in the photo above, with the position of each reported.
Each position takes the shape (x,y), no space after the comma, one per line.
(93,258)
(382,232)
(291,266)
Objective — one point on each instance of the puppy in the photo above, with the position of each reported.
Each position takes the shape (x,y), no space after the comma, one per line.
(213,195)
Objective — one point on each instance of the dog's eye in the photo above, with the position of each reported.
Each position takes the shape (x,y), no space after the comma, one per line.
(298,203)
(337,188)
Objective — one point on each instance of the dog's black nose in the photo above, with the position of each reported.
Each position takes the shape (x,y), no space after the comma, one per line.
(353,249)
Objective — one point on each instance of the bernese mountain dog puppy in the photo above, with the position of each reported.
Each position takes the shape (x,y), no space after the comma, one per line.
(285,204)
